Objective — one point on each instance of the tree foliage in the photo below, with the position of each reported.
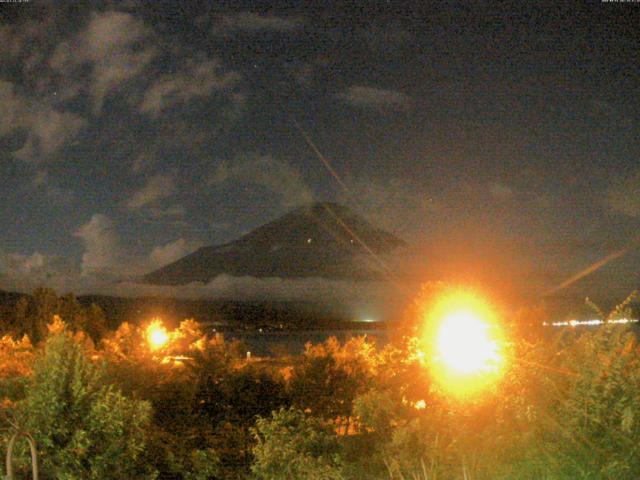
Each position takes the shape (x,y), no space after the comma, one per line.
(83,427)
(331,375)
(592,425)
(295,446)
(194,408)
(33,313)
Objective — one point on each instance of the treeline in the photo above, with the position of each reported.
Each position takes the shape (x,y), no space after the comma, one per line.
(30,314)
(191,406)
(235,314)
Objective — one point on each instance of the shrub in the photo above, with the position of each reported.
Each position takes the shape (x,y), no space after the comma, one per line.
(294,446)
(84,428)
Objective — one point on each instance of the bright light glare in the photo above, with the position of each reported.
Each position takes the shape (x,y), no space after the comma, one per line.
(463,343)
(157,335)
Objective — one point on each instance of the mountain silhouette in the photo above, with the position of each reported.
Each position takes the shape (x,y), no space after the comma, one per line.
(319,240)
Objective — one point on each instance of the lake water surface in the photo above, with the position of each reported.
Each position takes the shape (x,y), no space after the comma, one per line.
(271,343)
(275,343)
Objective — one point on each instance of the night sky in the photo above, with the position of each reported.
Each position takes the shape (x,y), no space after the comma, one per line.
(500,141)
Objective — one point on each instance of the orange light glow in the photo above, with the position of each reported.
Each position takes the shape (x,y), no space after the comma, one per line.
(463,343)
(157,335)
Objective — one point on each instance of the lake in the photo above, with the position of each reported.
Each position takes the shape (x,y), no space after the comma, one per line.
(270,343)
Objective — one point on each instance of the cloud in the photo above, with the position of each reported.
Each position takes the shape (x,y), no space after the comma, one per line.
(375,98)
(23,40)
(103,254)
(43,182)
(623,195)
(143,161)
(26,264)
(47,129)
(105,258)
(19,272)
(116,46)
(171,212)
(13,109)
(157,187)
(13,43)
(172,251)
(274,175)
(336,293)
(194,80)
(253,22)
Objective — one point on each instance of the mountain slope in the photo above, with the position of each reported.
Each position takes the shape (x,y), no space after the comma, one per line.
(320,240)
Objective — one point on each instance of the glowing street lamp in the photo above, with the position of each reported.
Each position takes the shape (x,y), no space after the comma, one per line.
(157,335)
(464,343)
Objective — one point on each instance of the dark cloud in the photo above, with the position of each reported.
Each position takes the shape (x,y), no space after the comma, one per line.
(276,176)
(25,272)
(375,98)
(254,22)
(116,46)
(42,182)
(196,79)
(156,188)
(329,292)
(47,129)
(165,254)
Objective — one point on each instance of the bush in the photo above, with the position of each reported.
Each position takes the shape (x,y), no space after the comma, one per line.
(83,427)
(294,446)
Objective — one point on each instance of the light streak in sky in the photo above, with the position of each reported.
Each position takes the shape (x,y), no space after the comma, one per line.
(590,269)
(596,266)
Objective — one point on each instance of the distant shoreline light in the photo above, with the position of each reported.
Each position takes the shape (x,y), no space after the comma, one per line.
(576,323)
(366,320)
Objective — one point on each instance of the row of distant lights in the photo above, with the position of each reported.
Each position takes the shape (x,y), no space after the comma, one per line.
(309,240)
(575,323)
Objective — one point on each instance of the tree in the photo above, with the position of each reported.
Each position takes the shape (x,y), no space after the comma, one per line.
(178,378)
(96,322)
(84,428)
(90,320)
(295,446)
(591,423)
(73,314)
(32,314)
(18,318)
(37,313)
(16,363)
(331,375)
(403,425)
